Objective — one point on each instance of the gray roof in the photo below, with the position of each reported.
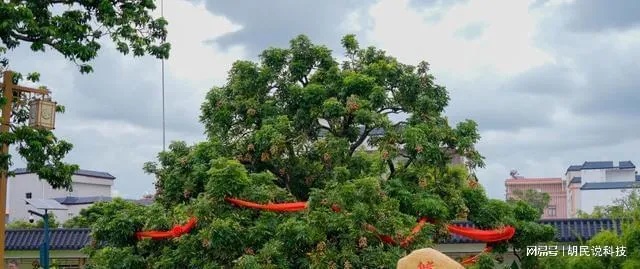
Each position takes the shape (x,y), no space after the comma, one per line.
(610,185)
(80,172)
(61,239)
(575,180)
(601,165)
(71,200)
(567,230)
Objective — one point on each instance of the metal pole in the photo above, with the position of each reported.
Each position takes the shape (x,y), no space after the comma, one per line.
(163,103)
(7,93)
(44,260)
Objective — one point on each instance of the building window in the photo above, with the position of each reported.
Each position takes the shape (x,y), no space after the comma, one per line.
(551,211)
(28,196)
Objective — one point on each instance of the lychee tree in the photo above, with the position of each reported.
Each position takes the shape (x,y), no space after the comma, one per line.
(296,126)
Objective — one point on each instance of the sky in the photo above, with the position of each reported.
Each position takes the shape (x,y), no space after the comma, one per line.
(550,83)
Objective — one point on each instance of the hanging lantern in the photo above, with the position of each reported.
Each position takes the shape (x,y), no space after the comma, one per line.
(43,113)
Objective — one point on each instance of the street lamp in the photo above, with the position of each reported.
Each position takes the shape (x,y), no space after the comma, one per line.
(46,205)
(42,115)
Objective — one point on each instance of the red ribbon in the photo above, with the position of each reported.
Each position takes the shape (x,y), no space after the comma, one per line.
(487,236)
(176,231)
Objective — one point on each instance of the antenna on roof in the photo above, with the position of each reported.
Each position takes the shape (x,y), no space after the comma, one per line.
(514,173)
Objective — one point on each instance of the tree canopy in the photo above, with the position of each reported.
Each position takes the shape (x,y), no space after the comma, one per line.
(75,29)
(300,126)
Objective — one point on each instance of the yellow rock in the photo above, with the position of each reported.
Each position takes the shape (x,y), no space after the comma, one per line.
(428,258)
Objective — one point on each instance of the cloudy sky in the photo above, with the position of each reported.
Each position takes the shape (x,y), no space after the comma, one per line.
(551,83)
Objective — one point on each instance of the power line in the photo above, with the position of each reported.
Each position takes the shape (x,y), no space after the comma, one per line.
(163,103)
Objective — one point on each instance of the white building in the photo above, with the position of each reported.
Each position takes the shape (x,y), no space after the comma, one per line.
(88,187)
(598,184)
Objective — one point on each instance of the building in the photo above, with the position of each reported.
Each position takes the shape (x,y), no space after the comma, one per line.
(23,246)
(598,184)
(557,207)
(88,187)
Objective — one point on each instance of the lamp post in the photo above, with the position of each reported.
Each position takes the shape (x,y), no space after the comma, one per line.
(42,117)
(46,205)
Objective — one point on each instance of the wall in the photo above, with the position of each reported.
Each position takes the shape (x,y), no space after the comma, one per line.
(620,175)
(593,175)
(25,258)
(593,198)
(553,187)
(21,184)
(573,200)
(73,210)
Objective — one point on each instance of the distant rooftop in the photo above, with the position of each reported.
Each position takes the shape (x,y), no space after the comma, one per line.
(528,180)
(601,165)
(60,239)
(72,200)
(575,180)
(81,172)
(610,185)
(567,230)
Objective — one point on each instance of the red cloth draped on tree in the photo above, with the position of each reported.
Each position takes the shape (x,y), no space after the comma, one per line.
(487,236)
(176,231)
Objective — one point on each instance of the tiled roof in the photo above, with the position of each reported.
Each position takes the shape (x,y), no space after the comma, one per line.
(601,165)
(574,168)
(597,165)
(61,239)
(626,165)
(575,180)
(610,185)
(81,172)
(70,200)
(567,230)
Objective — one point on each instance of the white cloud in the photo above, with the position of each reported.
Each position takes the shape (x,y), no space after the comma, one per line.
(192,60)
(505,45)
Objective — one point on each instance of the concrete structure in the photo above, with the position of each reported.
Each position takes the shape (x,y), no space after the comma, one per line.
(598,184)
(27,185)
(557,207)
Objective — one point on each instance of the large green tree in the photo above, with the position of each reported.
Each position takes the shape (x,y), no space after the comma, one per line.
(537,199)
(294,126)
(75,29)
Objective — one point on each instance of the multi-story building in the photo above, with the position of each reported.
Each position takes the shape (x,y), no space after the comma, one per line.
(88,187)
(598,184)
(557,207)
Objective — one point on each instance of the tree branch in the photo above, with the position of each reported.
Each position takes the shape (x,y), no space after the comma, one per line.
(391,110)
(361,139)
(392,168)
(515,253)
(346,123)
(408,163)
